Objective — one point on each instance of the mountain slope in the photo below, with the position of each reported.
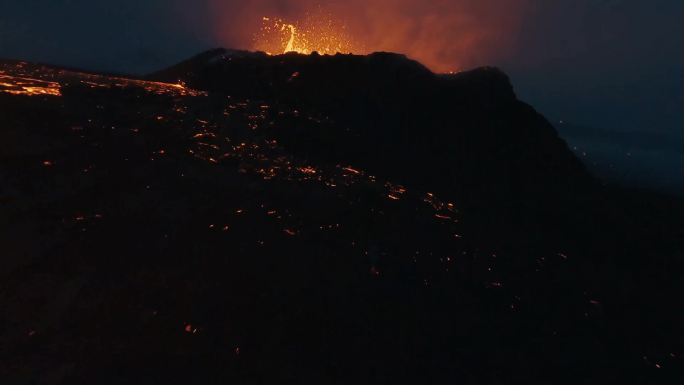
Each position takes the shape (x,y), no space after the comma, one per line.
(175,234)
(464,134)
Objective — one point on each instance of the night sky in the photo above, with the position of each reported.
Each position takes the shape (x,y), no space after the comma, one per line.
(609,69)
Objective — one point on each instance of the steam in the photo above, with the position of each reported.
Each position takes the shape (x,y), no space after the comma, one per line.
(445,35)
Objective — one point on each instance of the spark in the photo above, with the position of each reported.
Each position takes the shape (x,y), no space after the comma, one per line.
(317,32)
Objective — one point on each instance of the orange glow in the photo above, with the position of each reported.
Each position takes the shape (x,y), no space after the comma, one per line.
(321,34)
(28,86)
(36,80)
(351,170)
(308,170)
(445,35)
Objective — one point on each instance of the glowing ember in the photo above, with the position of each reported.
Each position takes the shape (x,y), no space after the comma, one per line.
(319,33)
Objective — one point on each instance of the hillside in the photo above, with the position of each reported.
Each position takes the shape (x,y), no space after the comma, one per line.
(241,218)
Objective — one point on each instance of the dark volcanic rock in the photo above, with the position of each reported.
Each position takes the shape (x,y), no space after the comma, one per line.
(318,220)
(465,134)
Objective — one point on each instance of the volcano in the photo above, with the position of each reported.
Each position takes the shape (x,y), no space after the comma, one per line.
(312,219)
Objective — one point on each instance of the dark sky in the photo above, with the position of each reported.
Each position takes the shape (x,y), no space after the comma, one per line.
(606,65)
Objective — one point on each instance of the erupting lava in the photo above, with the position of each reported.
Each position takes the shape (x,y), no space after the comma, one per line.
(314,34)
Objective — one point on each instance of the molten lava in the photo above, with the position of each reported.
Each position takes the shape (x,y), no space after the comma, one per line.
(36,80)
(320,34)
(28,86)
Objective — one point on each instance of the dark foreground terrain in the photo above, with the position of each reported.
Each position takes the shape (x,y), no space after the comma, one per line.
(245,219)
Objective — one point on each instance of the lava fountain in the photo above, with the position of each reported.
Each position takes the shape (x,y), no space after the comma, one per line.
(322,34)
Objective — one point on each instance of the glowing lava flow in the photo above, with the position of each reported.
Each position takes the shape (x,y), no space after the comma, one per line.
(36,80)
(28,86)
(314,34)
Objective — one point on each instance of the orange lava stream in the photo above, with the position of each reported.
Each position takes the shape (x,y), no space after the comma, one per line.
(28,86)
(34,80)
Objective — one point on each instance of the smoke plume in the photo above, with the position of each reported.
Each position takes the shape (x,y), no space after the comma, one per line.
(445,35)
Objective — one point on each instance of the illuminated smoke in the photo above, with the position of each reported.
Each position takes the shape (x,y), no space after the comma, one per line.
(445,35)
